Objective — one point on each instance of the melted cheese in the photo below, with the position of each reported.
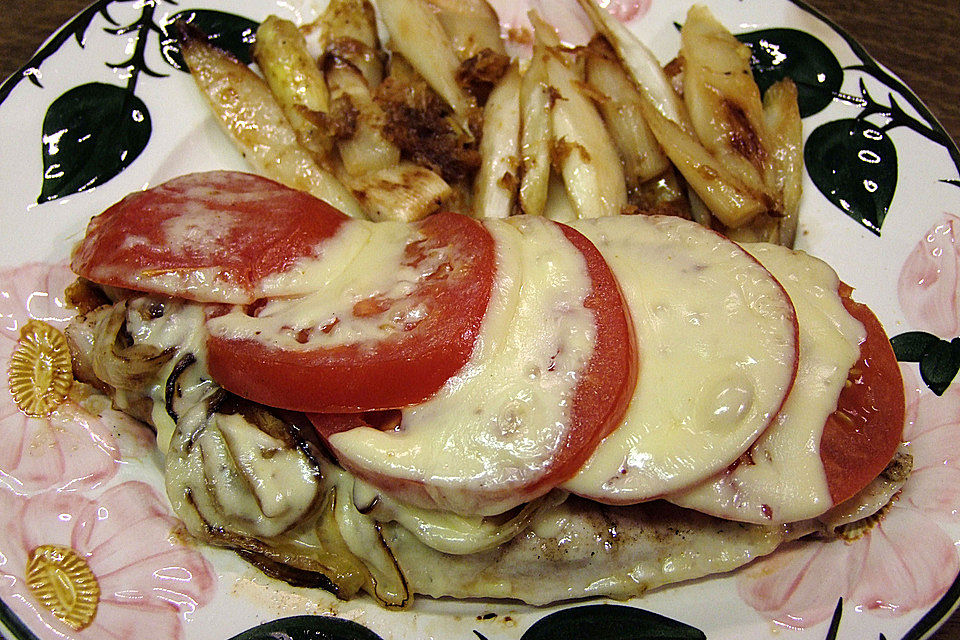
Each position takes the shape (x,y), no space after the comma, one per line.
(331,259)
(223,472)
(717,341)
(362,536)
(496,426)
(446,531)
(179,328)
(783,479)
(326,317)
(196,223)
(193,228)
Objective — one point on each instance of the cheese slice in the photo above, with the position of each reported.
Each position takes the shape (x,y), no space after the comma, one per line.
(365,260)
(330,261)
(782,479)
(489,439)
(717,341)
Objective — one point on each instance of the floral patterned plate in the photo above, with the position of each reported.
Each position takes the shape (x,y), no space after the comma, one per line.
(88,545)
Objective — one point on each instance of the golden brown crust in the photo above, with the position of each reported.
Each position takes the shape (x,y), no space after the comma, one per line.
(418,122)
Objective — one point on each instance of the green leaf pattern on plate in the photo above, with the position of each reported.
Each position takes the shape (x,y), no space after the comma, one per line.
(94,131)
(309,628)
(90,134)
(939,359)
(610,622)
(854,164)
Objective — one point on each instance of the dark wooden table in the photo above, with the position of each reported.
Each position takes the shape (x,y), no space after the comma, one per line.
(918,40)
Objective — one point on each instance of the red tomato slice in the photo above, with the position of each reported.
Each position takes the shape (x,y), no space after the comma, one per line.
(402,369)
(861,436)
(210,237)
(599,402)
(606,386)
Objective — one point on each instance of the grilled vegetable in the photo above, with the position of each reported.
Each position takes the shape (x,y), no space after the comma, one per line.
(781,112)
(496,185)
(731,202)
(583,151)
(349,29)
(295,81)
(535,133)
(254,120)
(364,148)
(417,34)
(620,107)
(471,26)
(722,98)
(640,62)
(404,192)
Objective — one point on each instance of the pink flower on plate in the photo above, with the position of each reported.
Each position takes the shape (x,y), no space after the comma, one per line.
(929,287)
(626,10)
(69,448)
(110,568)
(566,16)
(904,563)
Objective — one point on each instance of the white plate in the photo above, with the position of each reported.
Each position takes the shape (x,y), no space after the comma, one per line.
(94,486)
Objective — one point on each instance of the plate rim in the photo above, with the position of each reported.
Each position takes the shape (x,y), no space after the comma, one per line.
(934,616)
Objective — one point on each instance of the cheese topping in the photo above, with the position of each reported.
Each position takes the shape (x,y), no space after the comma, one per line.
(179,327)
(445,531)
(717,340)
(192,228)
(216,236)
(195,229)
(498,424)
(365,299)
(224,472)
(782,478)
(332,258)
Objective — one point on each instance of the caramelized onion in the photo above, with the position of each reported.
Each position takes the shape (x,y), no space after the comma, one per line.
(120,362)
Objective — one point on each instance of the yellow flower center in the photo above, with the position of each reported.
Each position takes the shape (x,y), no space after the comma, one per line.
(40,373)
(64,584)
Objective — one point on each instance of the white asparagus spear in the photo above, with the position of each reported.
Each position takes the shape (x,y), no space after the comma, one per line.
(367,148)
(781,112)
(416,33)
(296,82)
(496,183)
(535,132)
(640,62)
(582,149)
(722,98)
(785,176)
(730,201)
(403,192)
(350,33)
(471,25)
(642,156)
(251,116)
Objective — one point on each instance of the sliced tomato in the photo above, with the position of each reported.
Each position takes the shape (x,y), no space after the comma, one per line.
(210,237)
(862,435)
(604,388)
(405,364)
